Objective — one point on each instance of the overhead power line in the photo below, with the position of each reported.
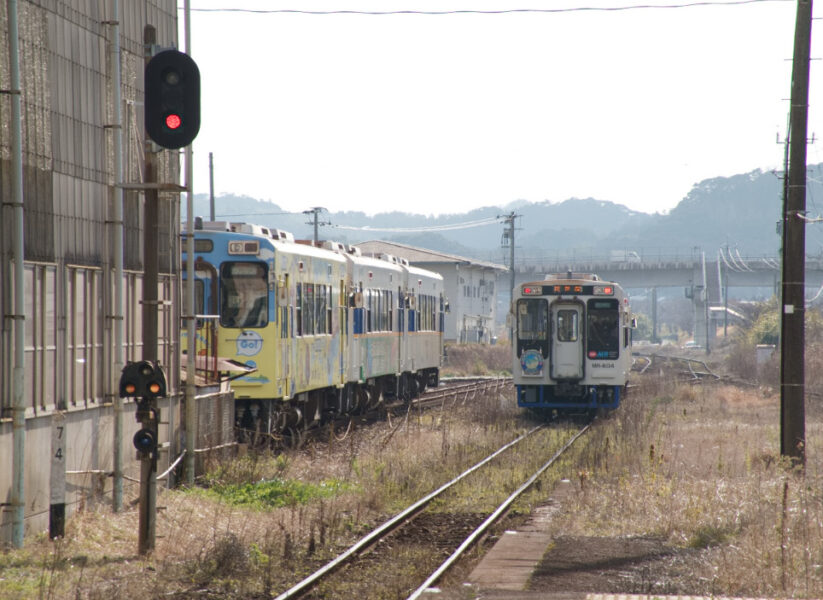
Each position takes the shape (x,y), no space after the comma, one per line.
(466,225)
(261,214)
(483,12)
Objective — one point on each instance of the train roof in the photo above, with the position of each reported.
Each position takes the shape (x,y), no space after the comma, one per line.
(570,278)
(286,243)
(569,275)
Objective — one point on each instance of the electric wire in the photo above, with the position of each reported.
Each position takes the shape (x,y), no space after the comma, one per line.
(575,9)
(435,228)
(452,227)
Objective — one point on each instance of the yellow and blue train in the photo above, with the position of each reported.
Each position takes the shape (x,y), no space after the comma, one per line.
(572,344)
(316,329)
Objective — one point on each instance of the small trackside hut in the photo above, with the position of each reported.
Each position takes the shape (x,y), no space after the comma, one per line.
(572,344)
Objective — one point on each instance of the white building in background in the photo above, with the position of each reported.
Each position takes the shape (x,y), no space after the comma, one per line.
(470,286)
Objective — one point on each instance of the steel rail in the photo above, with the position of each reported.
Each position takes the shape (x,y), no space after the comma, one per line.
(392,523)
(490,520)
(441,394)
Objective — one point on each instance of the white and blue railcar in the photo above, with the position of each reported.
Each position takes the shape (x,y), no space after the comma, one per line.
(572,344)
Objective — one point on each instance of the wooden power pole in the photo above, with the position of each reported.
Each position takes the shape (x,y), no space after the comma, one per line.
(792,323)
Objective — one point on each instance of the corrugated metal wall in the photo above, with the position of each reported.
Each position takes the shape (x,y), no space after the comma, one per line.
(68,187)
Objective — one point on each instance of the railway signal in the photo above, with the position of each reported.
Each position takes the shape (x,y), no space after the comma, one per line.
(142,379)
(145,381)
(172,82)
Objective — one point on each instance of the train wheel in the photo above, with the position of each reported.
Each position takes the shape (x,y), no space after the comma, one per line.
(293,438)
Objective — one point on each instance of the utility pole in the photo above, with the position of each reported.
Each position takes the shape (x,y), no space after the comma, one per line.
(316,212)
(508,239)
(792,339)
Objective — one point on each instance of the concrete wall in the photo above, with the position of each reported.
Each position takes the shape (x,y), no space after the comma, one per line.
(69,455)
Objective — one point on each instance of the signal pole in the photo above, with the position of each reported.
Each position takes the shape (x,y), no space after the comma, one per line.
(211,186)
(792,339)
(148,465)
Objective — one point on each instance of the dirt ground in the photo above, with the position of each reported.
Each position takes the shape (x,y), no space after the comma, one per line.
(632,565)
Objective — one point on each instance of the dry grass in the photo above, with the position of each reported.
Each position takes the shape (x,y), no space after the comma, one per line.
(696,466)
(700,468)
(206,547)
(478,359)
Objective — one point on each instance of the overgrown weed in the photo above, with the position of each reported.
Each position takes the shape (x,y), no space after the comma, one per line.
(710,478)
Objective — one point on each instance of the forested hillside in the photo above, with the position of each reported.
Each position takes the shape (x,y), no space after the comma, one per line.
(740,212)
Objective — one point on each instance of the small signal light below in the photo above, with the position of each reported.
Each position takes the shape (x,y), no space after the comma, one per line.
(173,121)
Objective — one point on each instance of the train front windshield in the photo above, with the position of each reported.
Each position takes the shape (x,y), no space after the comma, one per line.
(603,329)
(533,325)
(532,319)
(243,295)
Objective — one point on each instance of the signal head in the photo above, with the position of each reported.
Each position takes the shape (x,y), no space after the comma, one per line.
(142,379)
(145,441)
(172,103)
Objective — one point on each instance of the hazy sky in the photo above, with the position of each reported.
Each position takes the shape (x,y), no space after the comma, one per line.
(444,113)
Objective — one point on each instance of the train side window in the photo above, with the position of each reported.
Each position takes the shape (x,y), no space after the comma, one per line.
(283,304)
(603,328)
(567,325)
(298,318)
(244,295)
(320,308)
(308,309)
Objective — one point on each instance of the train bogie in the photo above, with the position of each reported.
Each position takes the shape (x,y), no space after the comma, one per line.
(572,343)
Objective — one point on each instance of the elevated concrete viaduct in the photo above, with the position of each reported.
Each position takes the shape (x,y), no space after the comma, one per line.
(708,281)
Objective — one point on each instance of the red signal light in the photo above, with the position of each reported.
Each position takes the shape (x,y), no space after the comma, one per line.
(173,121)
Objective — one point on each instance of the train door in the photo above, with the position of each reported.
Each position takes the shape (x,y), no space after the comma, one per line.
(343,328)
(402,351)
(285,334)
(205,308)
(567,341)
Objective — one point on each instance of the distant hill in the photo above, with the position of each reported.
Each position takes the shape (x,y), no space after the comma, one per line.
(740,211)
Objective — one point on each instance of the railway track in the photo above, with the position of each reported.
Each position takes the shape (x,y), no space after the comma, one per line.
(451,392)
(404,518)
(687,369)
(460,390)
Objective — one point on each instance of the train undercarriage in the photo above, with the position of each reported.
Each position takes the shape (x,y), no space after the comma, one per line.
(271,421)
(568,399)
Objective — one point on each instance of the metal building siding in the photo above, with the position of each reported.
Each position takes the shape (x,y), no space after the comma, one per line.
(65,56)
